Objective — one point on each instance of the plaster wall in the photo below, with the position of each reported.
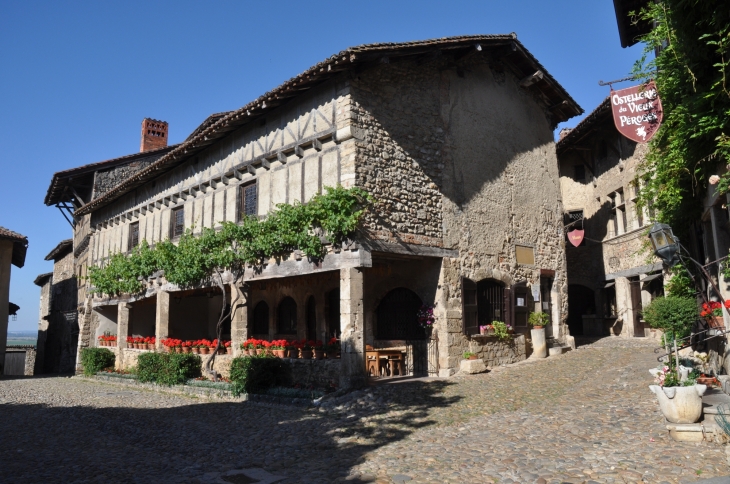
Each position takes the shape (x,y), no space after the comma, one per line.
(6,253)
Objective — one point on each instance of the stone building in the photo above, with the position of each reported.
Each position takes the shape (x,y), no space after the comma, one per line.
(452,137)
(13,248)
(58,328)
(612,274)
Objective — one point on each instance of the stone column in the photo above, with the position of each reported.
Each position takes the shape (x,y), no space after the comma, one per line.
(123,310)
(352,320)
(240,297)
(6,253)
(162,318)
(624,308)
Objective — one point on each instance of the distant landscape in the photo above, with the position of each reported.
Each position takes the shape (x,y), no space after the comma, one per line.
(22,338)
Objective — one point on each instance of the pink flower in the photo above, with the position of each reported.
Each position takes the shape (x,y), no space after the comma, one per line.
(714,179)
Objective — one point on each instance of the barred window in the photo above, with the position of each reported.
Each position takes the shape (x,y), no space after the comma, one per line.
(248,202)
(177,222)
(133,236)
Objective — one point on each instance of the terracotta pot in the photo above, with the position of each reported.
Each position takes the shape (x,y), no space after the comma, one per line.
(706,380)
(195,350)
(260,351)
(178,349)
(229,350)
(306,354)
(278,353)
(293,353)
(186,349)
(318,354)
(716,322)
(203,350)
(222,350)
(473,357)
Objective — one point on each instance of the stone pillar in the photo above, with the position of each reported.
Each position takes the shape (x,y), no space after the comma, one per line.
(6,253)
(624,308)
(240,297)
(539,345)
(123,310)
(162,318)
(352,319)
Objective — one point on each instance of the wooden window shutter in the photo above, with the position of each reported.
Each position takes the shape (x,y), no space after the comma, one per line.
(469,320)
(508,306)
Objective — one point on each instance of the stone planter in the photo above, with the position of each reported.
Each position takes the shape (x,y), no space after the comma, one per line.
(681,405)
(539,345)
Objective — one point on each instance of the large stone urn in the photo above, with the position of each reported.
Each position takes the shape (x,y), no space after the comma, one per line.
(539,345)
(682,405)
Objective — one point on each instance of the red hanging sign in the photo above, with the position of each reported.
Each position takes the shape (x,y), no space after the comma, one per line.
(637,111)
(575,237)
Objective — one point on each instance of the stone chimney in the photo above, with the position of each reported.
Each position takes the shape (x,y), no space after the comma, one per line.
(154,135)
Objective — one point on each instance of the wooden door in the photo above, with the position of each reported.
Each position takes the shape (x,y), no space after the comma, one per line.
(635,287)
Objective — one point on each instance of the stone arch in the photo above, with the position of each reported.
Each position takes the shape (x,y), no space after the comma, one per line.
(286,316)
(260,318)
(310,317)
(396,316)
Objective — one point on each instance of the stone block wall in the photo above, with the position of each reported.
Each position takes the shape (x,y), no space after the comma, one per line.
(318,373)
(496,352)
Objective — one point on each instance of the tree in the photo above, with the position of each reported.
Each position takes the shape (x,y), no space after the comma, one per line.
(692,39)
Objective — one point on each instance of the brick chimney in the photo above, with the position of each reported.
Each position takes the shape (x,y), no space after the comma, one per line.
(154,135)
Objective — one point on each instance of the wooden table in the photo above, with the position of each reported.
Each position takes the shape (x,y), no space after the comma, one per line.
(394,357)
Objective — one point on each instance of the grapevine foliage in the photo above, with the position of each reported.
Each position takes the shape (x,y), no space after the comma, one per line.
(334,214)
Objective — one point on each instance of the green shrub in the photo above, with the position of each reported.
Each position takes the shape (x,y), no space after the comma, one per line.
(96,359)
(674,315)
(680,285)
(168,368)
(257,374)
(538,320)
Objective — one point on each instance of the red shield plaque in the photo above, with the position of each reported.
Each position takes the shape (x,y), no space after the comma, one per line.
(576,237)
(637,111)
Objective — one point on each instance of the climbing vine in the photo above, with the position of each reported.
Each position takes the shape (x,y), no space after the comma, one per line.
(691,73)
(334,214)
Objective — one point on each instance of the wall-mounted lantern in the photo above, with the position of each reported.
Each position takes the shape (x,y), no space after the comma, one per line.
(666,245)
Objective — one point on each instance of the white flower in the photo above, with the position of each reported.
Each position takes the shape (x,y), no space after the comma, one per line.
(714,179)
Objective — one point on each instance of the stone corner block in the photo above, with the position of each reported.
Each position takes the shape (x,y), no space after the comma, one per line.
(471,367)
(446,372)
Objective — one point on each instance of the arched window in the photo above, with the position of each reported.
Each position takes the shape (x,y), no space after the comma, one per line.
(287,316)
(261,318)
(311,319)
(332,313)
(398,316)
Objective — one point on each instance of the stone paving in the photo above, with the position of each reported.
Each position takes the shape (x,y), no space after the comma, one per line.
(586,416)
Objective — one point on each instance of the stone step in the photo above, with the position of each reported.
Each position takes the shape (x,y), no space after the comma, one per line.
(712,398)
(558,350)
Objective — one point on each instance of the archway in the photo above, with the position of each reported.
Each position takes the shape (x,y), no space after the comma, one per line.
(287,316)
(261,318)
(311,315)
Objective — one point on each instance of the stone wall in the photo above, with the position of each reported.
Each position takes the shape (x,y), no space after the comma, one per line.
(108,179)
(317,373)
(496,352)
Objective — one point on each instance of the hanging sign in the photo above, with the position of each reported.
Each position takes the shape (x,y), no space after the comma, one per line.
(576,237)
(637,111)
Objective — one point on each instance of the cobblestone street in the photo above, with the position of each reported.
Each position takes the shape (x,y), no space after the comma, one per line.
(592,420)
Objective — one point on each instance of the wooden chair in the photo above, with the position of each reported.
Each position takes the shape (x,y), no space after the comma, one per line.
(396,364)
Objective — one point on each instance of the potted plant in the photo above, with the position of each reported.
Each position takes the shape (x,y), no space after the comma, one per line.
(278,347)
(712,312)
(680,402)
(538,321)
(468,355)
(306,349)
(500,330)
(486,330)
(426,319)
(319,349)
(292,348)
(332,348)
(227,345)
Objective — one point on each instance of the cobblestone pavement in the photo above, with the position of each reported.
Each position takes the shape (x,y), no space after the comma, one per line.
(586,416)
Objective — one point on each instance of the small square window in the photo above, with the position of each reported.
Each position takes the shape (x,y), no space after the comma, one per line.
(177,222)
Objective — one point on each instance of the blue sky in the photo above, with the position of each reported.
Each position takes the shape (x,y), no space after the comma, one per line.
(77,78)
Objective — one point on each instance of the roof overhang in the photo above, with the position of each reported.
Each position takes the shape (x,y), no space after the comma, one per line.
(513,54)
(630,30)
(20,246)
(41,279)
(63,248)
(588,125)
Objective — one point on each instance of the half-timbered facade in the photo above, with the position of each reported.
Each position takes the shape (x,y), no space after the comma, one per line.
(452,137)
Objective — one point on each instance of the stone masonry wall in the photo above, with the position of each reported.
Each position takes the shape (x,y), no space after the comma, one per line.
(495,352)
(464,160)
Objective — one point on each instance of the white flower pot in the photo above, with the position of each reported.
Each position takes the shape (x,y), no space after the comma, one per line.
(681,405)
(539,345)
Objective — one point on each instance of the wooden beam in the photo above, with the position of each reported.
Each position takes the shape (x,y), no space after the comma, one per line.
(251,170)
(281,157)
(299,151)
(531,79)
(317,145)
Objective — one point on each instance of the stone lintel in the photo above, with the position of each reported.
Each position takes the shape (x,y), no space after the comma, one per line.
(409,249)
(635,271)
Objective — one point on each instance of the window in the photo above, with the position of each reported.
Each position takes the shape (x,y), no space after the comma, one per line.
(248,201)
(617,222)
(133,236)
(483,302)
(261,318)
(579,172)
(609,300)
(397,316)
(177,222)
(287,316)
